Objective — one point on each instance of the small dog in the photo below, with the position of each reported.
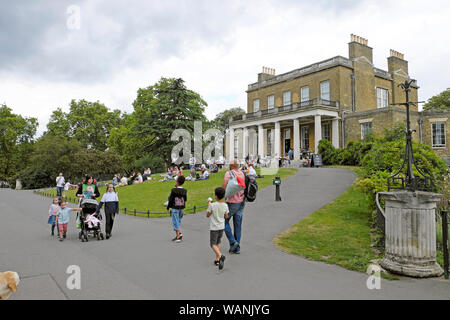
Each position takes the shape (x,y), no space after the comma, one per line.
(9,281)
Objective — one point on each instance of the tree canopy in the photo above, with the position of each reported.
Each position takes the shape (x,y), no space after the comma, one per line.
(16,141)
(89,123)
(439,102)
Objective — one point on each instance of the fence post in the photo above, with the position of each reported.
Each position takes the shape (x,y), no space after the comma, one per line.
(148,213)
(135,212)
(195,209)
(125,210)
(445,241)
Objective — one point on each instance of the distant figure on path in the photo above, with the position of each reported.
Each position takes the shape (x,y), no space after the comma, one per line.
(59,184)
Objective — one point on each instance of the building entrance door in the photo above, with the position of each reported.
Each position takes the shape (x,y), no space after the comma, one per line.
(287,145)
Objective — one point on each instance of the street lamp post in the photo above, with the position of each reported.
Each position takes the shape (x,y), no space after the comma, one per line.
(410,182)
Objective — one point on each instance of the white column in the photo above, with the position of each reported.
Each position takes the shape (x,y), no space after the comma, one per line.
(296,140)
(335,132)
(231,145)
(260,141)
(317,132)
(245,143)
(277,139)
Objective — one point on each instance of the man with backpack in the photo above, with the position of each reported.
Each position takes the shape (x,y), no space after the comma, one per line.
(235,179)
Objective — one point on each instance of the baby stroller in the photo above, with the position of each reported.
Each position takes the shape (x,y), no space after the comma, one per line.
(89,206)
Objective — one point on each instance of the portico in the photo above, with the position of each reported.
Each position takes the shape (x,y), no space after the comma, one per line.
(272,132)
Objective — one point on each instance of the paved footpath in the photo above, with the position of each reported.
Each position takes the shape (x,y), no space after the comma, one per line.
(141,262)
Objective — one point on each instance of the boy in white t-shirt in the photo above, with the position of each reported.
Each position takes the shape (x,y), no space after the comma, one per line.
(217,212)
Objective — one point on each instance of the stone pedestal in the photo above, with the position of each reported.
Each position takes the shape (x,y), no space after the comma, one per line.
(18,184)
(411,233)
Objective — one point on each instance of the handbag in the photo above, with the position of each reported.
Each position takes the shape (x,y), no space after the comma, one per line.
(235,185)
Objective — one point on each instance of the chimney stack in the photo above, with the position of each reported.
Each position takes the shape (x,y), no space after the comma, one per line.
(266,74)
(396,62)
(359,47)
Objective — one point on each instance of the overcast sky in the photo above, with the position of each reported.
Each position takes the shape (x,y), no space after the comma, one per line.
(49,57)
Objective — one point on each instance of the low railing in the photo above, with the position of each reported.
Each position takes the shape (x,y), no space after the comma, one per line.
(381,217)
(133,212)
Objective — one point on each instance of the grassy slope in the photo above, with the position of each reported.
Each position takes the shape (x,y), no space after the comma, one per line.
(338,233)
(152,194)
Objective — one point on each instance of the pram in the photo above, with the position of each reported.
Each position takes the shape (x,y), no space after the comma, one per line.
(88,207)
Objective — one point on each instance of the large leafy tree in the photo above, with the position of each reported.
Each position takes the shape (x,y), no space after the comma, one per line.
(16,142)
(90,123)
(222,119)
(159,110)
(439,102)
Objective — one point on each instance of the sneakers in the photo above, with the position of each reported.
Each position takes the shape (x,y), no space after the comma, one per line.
(233,247)
(221,262)
(64,235)
(61,239)
(107,236)
(216,262)
(178,239)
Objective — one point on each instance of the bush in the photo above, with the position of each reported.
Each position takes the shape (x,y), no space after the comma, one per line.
(155,163)
(35,178)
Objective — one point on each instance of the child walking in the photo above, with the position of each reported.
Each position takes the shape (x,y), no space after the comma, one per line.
(52,212)
(111,201)
(177,202)
(217,212)
(62,219)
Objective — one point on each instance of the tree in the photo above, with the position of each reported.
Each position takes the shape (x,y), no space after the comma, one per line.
(439,102)
(90,123)
(222,119)
(159,110)
(16,142)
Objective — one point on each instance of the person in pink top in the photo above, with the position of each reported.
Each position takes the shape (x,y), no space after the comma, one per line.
(236,206)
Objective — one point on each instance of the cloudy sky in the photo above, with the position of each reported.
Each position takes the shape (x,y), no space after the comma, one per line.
(48,56)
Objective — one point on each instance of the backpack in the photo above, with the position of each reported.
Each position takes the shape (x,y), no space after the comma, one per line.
(235,184)
(251,187)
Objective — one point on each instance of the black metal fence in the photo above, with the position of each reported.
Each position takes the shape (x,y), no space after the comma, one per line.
(442,239)
(133,212)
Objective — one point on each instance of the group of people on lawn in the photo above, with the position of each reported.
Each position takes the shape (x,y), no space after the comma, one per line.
(221,212)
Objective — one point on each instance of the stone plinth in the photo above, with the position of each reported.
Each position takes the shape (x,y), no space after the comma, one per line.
(411,233)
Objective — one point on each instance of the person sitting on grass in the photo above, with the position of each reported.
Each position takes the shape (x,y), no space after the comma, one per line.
(177,202)
(205,175)
(192,175)
(217,212)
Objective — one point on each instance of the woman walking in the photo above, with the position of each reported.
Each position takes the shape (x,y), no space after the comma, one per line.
(111,201)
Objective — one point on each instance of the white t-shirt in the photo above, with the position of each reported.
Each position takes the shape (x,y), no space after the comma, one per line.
(124,180)
(67,186)
(217,218)
(60,181)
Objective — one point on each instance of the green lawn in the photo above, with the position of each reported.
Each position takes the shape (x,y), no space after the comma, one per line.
(151,195)
(339,233)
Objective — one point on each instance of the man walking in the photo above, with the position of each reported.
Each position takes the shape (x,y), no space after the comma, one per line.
(236,205)
(59,184)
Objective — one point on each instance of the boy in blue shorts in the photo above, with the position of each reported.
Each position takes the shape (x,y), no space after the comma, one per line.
(177,202)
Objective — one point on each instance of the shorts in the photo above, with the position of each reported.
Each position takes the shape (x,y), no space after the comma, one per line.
(62,227)
(214,237)
(177,215)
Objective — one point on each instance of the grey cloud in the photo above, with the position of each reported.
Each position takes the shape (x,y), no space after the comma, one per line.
(114,34)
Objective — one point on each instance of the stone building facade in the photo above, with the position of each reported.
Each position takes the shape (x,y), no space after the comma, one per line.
(339,99)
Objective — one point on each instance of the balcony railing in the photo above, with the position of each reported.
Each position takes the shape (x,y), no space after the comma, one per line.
(287,108)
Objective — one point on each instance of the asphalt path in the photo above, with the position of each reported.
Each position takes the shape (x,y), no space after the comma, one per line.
(141,262)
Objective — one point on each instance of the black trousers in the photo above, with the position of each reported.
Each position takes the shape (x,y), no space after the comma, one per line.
(109,222)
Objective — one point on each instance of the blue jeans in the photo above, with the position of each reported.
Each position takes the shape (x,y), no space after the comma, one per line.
(59,191)
(235,211)
(177,215)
